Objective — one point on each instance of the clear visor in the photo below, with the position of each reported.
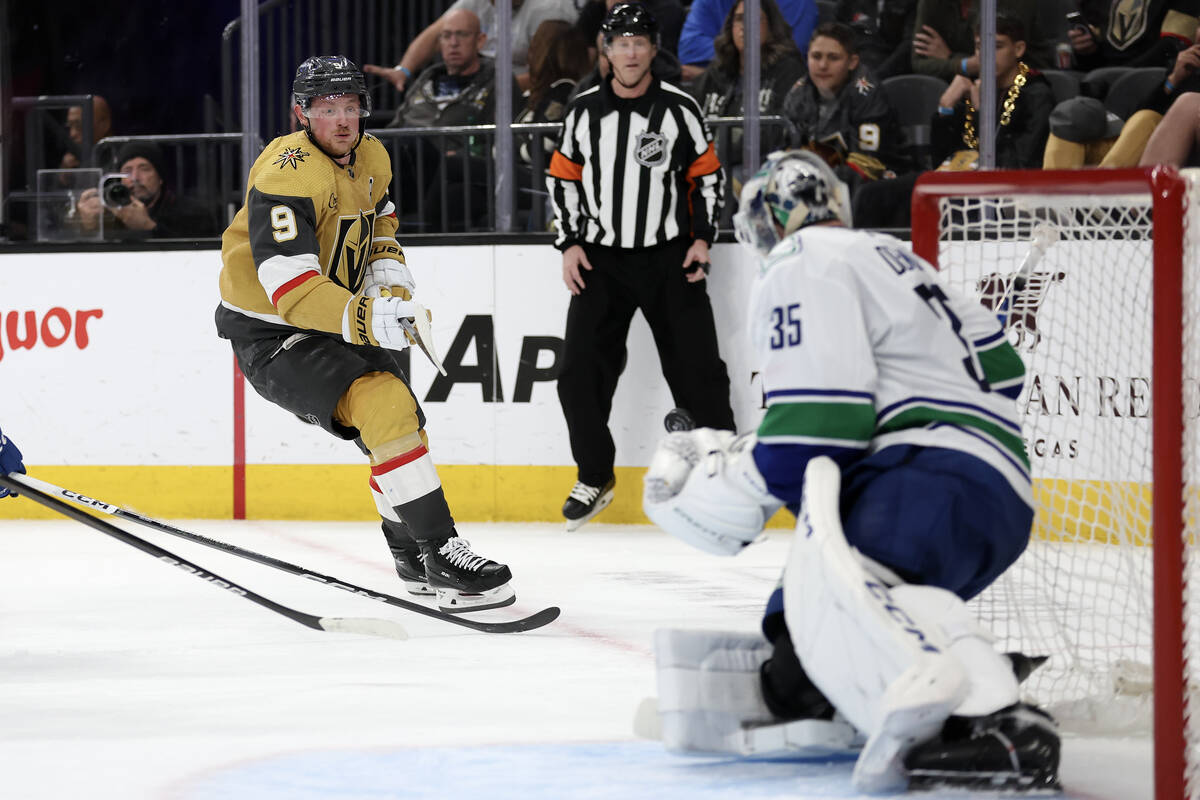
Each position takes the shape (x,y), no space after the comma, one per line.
(354,109)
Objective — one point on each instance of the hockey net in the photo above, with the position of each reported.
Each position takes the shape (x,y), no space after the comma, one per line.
(1106,321)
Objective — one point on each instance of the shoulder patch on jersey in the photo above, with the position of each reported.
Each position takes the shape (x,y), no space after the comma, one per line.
(801,81)
(290,156)
(864,85)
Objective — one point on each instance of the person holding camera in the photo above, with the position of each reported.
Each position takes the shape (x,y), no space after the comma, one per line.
(139,203)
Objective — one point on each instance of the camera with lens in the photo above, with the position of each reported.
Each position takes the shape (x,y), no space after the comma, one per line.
(114,193)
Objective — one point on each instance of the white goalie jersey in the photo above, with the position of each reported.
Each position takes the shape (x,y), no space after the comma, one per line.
(860,347)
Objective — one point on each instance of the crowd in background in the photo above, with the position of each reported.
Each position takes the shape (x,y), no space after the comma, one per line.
(880,89)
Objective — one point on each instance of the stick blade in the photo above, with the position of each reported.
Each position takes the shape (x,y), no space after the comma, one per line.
(367,626)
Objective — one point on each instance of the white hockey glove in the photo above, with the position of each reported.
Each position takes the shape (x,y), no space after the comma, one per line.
(390,274)
(381,321)
(703,487)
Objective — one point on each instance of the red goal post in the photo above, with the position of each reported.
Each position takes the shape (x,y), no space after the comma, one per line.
(1109,226)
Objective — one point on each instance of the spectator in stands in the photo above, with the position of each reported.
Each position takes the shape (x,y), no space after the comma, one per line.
(1144,34)
(704,21)
(1176,139)
(1024,101)
(558,58)
(458,91)
(840,113)
(101,127)
(944,41)
(528,15)
(884,31)
(669,13)
(1082,132)
(719,89)
(149,208)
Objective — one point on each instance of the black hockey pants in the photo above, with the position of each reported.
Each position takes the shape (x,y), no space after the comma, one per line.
(620,282)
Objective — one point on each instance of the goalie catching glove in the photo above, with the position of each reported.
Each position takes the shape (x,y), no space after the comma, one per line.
(703,487)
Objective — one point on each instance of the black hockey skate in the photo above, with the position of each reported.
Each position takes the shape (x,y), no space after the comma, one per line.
(586,501)
(411,570)
(1014,749)
(463,580)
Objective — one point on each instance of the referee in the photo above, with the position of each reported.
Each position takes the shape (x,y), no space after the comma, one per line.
(636,187)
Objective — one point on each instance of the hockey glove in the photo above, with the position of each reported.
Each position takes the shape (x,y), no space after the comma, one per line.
(10,460)
(381,321)
(703,487)
(390,274)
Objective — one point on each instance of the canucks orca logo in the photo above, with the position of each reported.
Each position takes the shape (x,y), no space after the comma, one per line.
(290,155)
(351,250)
(650,149)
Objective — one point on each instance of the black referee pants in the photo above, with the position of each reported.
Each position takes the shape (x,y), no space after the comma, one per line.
(620,282)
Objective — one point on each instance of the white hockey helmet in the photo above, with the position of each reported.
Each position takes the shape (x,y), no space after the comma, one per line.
(794,188)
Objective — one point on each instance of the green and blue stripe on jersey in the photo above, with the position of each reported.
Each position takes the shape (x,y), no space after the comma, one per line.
(801,424)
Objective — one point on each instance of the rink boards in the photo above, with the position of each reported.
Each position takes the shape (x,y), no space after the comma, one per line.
(114,383)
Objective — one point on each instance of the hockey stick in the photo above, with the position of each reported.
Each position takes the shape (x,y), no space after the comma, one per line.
(541,618)
(27,487)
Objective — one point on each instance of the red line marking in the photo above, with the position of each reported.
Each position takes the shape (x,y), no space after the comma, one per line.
(239,442)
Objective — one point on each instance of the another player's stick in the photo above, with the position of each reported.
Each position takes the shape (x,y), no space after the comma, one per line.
(28,487)
(1044,235)
(541,618)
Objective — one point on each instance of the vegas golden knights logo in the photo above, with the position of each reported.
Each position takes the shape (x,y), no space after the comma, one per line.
(351,249)
(1127,22)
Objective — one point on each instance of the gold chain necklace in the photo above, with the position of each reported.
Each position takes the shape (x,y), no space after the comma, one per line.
(1010,103)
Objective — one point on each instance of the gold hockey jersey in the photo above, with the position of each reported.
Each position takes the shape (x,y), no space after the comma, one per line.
(299,248)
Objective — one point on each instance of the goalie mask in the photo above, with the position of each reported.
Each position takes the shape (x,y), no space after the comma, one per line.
(793,189)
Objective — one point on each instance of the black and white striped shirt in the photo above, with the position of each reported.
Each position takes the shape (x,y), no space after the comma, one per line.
(634,172)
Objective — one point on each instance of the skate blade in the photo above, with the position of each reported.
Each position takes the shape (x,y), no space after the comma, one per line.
(601,504)
(1039,783)
(419,589)
(453,601)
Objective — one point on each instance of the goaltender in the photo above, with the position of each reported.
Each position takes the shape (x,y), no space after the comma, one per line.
(316,300)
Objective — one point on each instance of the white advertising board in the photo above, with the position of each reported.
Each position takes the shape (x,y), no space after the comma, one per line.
(124,366)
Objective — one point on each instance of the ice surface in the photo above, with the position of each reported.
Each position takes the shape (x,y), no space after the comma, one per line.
(123,678)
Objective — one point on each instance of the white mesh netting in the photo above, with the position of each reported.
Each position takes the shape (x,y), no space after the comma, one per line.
(1082,593)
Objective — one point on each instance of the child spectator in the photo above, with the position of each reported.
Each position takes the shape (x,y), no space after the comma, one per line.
(841,114)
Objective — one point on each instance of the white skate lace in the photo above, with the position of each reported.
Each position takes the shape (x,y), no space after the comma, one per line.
(584,493)
(458,552)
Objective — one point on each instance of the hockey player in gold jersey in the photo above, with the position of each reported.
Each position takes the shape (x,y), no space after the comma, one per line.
(316,299)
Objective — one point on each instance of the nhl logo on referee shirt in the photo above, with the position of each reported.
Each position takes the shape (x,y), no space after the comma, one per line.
(650,149)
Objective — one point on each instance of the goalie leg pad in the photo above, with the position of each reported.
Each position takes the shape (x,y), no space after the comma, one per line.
(891,676)
(711,701)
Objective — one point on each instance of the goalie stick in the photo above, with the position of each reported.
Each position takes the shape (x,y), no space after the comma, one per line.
(25,486)
(538,620)
(1044,235)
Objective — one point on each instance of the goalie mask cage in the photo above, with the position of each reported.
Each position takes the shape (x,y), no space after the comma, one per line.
(1106,322)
